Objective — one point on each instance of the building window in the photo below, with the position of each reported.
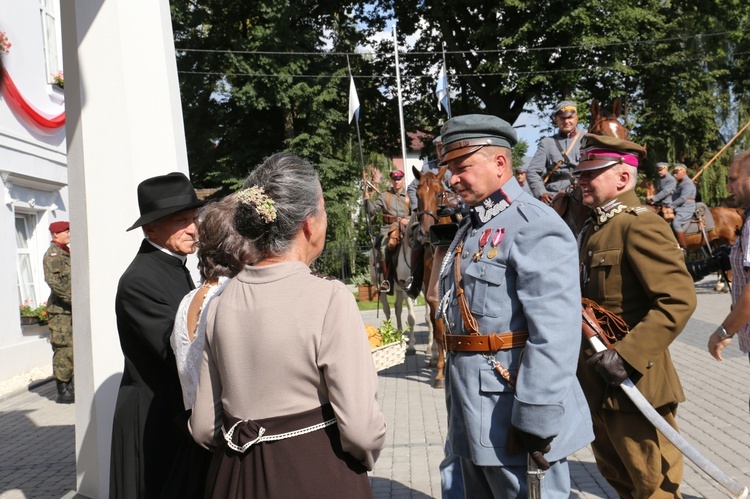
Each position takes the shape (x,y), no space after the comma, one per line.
(26,261)
(50,35)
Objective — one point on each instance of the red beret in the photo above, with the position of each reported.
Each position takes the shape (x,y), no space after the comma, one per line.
(56,227)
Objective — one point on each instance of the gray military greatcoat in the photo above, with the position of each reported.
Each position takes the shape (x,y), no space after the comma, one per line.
(667,186)
(683,202)
(531,285)
(545,159)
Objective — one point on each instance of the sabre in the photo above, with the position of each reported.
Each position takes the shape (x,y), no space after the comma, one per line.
(733,488)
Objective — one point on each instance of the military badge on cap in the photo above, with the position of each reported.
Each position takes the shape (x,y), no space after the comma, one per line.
(601,151)
(565,109)
(466,134)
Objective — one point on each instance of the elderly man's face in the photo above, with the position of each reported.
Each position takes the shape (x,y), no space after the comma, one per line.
(598,186)
(662,172)
(679,174)
(568,124)
(521,176)
(174,232)
(738,185)
(476,176)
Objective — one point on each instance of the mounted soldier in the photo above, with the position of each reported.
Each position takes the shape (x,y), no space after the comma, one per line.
(550,170)
(667,185)
(394,204)
(683,203)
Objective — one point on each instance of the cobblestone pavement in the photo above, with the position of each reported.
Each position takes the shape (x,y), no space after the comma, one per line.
(37,444)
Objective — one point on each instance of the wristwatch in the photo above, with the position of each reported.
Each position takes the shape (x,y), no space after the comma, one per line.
(721,331)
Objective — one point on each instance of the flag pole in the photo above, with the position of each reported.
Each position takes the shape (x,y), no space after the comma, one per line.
(361,154)
(447,87)
(400,103)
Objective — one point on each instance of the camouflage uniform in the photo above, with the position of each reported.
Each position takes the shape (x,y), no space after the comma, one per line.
(58,277)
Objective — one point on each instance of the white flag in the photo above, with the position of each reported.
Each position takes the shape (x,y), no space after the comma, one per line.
(442,91)
(353,100)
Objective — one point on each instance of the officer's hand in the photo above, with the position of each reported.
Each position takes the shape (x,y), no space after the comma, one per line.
(536,447)
(650,201)
(611,366)
(546,198)
(721,257)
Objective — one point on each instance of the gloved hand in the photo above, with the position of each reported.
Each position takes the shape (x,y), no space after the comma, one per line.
(721,257)
(610,366)
(536,447)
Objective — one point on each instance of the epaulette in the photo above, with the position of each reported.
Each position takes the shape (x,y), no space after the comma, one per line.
(637,210)
(529,211)
(324,276)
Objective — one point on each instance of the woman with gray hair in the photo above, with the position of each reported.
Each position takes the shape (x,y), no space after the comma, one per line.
(287,392)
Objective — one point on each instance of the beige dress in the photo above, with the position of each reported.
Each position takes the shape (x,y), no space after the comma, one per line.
(284,348)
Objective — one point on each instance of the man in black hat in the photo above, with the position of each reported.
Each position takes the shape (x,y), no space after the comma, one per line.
(631,266)
(509,285)
(145,432)
(394,204)
(551,168)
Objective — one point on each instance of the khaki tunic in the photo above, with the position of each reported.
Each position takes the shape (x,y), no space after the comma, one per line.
(632,266)
(389,203)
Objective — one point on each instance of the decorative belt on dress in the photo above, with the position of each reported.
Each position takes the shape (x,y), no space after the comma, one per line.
(486,342)
(262,437)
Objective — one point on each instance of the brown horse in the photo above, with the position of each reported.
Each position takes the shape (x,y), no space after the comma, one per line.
(431,194)
(604,122)
(727,221)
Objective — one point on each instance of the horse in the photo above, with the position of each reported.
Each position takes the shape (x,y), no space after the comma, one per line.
(431,194)
(402,272)
(605,122)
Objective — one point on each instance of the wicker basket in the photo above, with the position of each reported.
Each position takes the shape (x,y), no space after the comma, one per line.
(389,355)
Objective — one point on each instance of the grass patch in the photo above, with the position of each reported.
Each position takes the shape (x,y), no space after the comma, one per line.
(372,305)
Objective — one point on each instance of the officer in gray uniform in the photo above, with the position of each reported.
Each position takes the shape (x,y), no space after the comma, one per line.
(522,181)
(667,185)
(683,202)
(556,156)
(509,284)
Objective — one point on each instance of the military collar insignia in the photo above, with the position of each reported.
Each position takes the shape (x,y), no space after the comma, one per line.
(490,207)
(608,210)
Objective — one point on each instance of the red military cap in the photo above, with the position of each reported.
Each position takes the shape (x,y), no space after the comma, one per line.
(56,227)
(397,174)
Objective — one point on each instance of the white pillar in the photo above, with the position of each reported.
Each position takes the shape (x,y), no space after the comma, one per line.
(124,124)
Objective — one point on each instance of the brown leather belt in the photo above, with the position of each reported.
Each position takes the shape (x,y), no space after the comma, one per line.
(690,199)
(486,342)
(389,219)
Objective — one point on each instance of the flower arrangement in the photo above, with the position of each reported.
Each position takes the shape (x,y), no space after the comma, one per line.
(264,205)
(389,333)
(39,312)
(387,344)
(5,44)
(59,79)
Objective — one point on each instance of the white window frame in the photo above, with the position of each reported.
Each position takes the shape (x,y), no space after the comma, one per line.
(31,220)
(51,38)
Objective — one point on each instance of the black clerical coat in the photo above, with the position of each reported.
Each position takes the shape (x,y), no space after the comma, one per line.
(145,433)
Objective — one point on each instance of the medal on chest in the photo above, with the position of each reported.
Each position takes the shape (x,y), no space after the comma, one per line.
(496,239)
(482,243)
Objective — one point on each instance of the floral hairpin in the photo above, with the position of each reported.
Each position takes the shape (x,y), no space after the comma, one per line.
(263,204)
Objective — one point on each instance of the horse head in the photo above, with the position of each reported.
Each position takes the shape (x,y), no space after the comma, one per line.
(606,123)
(431,194)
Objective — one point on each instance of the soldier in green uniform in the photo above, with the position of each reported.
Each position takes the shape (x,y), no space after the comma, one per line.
(394,204)
(632,266)
(58,277)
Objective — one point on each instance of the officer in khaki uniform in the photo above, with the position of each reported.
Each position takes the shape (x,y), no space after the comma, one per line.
(511,305)
(394,204)
(632,266)
(58,278)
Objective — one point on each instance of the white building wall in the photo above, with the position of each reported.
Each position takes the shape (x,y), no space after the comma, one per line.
(33,179)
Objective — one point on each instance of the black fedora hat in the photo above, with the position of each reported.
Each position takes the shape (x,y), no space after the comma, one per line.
(164,195)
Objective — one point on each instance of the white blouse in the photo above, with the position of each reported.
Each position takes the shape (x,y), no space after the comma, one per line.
(188,353)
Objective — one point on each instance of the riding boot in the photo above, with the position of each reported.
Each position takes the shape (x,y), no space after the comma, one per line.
(414,283)
(385,286)
(681,240)
(65,392)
